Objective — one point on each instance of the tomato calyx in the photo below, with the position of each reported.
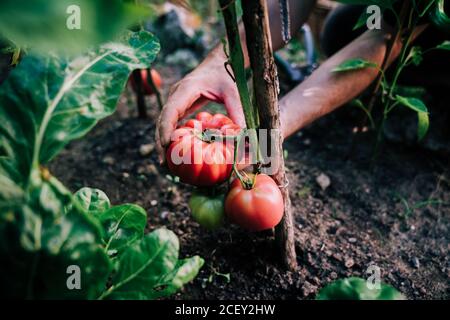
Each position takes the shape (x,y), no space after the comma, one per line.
(247,182)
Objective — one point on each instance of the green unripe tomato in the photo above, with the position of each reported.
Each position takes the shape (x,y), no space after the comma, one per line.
(207,211)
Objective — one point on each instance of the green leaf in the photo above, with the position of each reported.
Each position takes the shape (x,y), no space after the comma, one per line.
(444,45)
(47,101)
(354,64)
(185,271)
(43,24)
(123,225)
(423,123)
(357,289)
(144,267)
(36,249)
(412,103)
(362,20)
(92,199)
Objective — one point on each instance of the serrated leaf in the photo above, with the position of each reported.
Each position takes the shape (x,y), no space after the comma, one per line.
(92,200)
(354,64)
(357,289)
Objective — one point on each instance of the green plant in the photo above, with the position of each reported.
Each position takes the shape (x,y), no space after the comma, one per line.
(357,289)
(45,103)
(100,21)
(390,98)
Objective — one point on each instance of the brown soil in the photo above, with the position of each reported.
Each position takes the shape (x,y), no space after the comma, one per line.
(361,219)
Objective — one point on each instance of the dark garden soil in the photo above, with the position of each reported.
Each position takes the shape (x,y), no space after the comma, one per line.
(394,214)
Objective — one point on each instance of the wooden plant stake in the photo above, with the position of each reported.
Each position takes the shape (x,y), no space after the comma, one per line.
(265,82)
(266,98)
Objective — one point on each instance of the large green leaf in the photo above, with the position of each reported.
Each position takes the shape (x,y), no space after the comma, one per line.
(36,249)
(48,101)
(357,289)
(123,225)
(144,267)
(43,24)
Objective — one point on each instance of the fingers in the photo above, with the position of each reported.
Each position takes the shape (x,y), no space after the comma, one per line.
(234,107)
(182,97)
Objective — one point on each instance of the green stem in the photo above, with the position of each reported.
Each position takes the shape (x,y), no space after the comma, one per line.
(244,181)
(154,88)
(236,60)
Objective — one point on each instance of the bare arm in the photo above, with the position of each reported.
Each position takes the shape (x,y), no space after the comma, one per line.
(324,90)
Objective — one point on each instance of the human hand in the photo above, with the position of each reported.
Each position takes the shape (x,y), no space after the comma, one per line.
(208,82)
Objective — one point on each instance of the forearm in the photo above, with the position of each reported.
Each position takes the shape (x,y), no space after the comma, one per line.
(324,90)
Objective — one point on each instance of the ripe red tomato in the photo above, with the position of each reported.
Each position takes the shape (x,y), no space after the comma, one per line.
(195,158)
(156,77)
(257,209)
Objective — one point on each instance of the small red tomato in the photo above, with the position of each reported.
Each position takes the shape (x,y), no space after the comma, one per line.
(156,77)
(256,209)
(197,158)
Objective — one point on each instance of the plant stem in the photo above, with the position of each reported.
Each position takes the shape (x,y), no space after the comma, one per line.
(236,60)
(387,57)
(154,88)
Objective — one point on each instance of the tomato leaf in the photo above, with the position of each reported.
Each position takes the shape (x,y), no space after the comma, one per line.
(354,64)
(357,289)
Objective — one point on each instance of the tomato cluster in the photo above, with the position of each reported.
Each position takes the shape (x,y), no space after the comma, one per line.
(202,155)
